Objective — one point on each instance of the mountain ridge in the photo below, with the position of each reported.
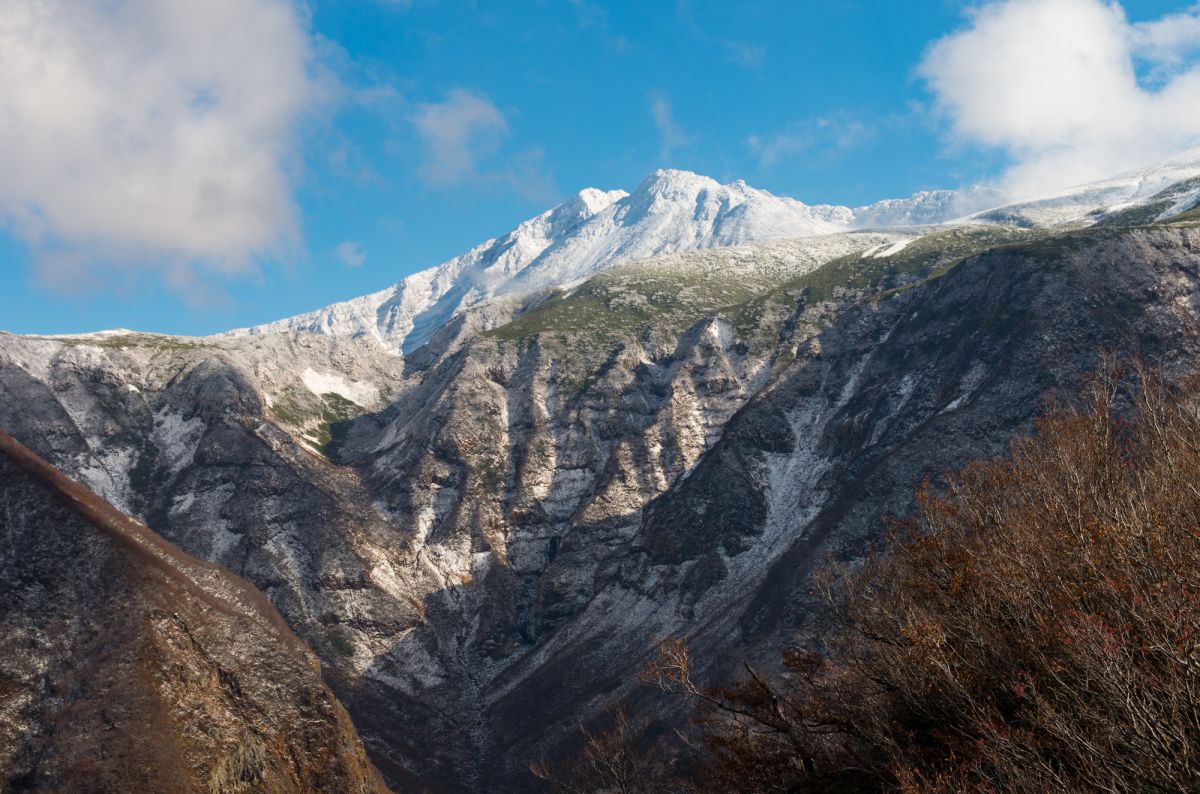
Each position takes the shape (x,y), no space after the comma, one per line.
(669,211)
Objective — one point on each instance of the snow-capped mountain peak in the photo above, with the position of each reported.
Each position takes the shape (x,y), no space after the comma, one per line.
(672,211)
(1160,189)
(669,211)
(580,207)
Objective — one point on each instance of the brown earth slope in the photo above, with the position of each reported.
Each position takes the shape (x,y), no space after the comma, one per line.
(127,665)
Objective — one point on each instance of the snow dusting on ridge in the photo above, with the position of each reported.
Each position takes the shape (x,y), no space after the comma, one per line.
(670,211)
(673,211)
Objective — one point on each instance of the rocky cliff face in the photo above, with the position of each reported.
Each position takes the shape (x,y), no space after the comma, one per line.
(129,666)
(692,494)
(231,448)
(486,538)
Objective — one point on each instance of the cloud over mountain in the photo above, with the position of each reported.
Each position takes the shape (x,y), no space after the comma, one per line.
(1070,89)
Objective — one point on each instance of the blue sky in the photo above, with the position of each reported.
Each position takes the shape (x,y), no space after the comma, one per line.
(366,140)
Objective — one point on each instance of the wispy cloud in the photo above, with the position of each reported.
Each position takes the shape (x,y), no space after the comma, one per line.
(457,134)
(743,53)
(595,16)
(824,137)
(1170,38)
(350,254)
(160,136)
(590,14)
(463,138)
(750,56)
(1054,83)
(671,135)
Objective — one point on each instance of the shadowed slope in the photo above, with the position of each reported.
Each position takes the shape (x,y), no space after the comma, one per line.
(127,665)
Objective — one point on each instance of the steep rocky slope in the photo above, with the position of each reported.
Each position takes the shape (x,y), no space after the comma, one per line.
(689,488)
(488,540)
(129,666)
(214,442)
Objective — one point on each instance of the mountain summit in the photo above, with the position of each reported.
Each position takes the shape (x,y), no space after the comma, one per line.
(673,211)
(669,211)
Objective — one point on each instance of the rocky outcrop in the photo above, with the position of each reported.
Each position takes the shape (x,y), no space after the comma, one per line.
(130,666)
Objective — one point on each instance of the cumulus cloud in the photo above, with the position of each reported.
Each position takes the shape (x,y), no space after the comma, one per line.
(463,139)
(1170,40)
(1070,89)
(152,133)
(670,133)
(350,254)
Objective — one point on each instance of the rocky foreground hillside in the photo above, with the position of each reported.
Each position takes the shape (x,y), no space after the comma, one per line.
(485,538)
(130,666)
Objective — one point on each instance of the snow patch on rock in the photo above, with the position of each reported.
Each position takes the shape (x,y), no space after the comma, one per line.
(893,249)
(106,472)
(177,438)
(363,394)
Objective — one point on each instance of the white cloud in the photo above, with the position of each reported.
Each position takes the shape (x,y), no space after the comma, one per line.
(463,139)
(458,133)
(672,136)
(1055,83)
(350,254)
(152,133)
(1169,40)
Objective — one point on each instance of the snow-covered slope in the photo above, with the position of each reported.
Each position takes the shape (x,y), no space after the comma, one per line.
(670,211)
(1161,190)
(673,211)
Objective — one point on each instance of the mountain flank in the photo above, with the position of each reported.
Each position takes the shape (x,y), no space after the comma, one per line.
(130,666)
(485,538)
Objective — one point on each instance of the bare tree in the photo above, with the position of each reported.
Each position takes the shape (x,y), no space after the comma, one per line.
(1035,626)
(617,760)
